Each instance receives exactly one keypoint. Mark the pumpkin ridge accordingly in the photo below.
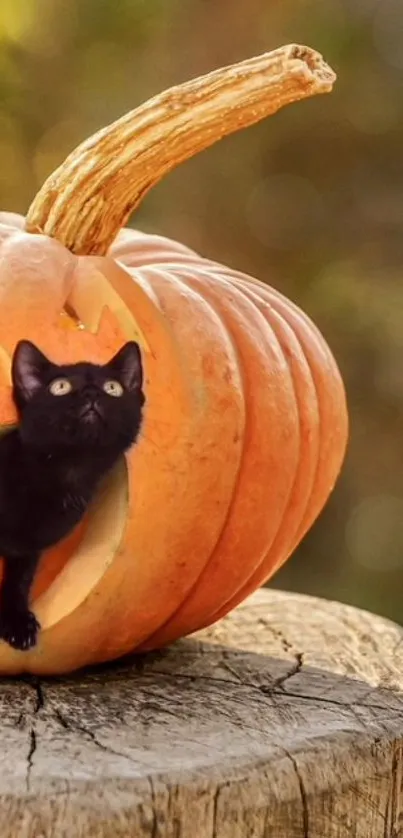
(256, 580)
(334, 389)
(189, 276)
(276, 547)
(164, 271)
(259, 575)
(261, 303)
(280, 304)
(268, 298)
(328, 394)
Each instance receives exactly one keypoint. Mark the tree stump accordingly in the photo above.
(285, 720)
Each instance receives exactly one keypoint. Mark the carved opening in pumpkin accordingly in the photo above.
(96, 544)
(70, 570)
(92, 296)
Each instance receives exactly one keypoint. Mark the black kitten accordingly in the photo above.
(75, 422)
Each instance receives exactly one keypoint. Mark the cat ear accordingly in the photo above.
(27, 369)
(128, 367)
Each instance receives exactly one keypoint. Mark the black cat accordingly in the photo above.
(75, 421)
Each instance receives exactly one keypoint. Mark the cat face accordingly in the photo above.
(78, 405)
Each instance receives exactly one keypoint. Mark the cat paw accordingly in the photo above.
(19, 629)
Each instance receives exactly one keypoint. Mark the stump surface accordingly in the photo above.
(285, 720)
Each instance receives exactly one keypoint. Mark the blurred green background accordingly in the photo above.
(311, 201)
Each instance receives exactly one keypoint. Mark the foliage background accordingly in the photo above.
(311, 200)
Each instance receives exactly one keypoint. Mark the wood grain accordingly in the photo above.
(285, 720)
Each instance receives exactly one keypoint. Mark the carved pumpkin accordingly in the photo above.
(245, 424)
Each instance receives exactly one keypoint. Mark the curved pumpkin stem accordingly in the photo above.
(86, 201)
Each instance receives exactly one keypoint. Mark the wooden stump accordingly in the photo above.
(285, 720)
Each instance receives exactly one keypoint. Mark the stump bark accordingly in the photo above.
(285, 720)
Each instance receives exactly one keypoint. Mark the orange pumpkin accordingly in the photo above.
(245, 427)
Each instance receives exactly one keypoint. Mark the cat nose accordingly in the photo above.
(91, 395)
(92, 403)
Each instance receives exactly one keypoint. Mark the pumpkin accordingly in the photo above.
(245, 424)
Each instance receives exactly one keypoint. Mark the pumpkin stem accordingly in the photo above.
(86, 201)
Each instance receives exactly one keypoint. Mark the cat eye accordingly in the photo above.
(60, 387)
(113, 388)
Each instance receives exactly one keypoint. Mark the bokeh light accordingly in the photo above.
(284, 210)
(388, 32)
(374, 533)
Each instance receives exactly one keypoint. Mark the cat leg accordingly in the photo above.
(18, 625)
